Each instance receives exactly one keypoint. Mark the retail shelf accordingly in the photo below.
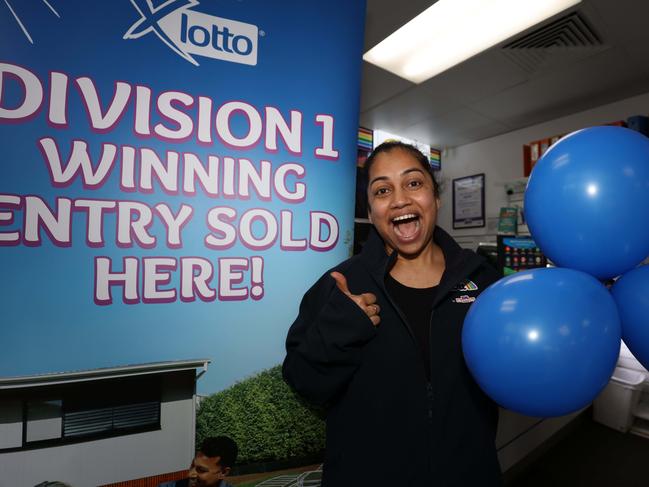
(642, 411)
(640, 427)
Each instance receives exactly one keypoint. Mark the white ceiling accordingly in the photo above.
(492, 93)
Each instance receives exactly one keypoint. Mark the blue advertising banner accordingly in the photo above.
(174, 176)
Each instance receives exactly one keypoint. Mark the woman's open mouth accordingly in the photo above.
(406, 226)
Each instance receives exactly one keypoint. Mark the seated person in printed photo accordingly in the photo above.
(211, 464)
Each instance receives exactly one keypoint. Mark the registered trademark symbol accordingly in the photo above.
(262, 33)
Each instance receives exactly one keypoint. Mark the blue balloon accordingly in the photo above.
(587, 201)
(542, 342)
(631, 294)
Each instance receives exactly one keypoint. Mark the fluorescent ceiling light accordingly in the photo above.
(451, 31)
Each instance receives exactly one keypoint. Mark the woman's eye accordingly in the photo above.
(415, 183)
(381, 191)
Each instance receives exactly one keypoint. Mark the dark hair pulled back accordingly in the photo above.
(391, 145)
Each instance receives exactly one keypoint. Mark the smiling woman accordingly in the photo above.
(377, 342)
(403, 201)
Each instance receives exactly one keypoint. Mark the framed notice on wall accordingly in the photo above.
(468, 202)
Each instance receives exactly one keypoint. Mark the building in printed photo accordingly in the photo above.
(101, 426)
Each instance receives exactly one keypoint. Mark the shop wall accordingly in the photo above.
(501, 159)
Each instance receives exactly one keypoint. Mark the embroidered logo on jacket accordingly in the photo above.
(466, 285)
(464, 299)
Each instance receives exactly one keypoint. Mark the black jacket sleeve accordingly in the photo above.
(324, 344)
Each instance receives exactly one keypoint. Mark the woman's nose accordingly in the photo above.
(399, 198)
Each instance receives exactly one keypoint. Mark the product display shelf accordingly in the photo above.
(640, 425)
(640, 428)
(642, 410)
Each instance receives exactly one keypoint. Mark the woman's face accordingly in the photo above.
(402, 203)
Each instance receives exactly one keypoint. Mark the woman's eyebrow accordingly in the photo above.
(403, 173)
(378, 178)
(412, 169)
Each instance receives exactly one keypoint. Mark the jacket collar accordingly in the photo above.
(459, 262)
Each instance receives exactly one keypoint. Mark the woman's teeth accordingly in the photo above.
(402, 218)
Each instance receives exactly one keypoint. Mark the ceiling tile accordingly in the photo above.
(379, 86)
(480, 77)
(450, 128)
(408, 108)
(621, 20)
(383, 17)
(560, 92)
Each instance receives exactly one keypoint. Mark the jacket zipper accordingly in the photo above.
(429, 392)
(412, 335)
(429, 385)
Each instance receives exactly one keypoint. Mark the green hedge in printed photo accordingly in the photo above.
(266, 419)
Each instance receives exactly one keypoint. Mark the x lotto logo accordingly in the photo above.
(188, 33)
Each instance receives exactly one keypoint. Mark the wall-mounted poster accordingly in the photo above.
(469, 201)
(164, 163)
